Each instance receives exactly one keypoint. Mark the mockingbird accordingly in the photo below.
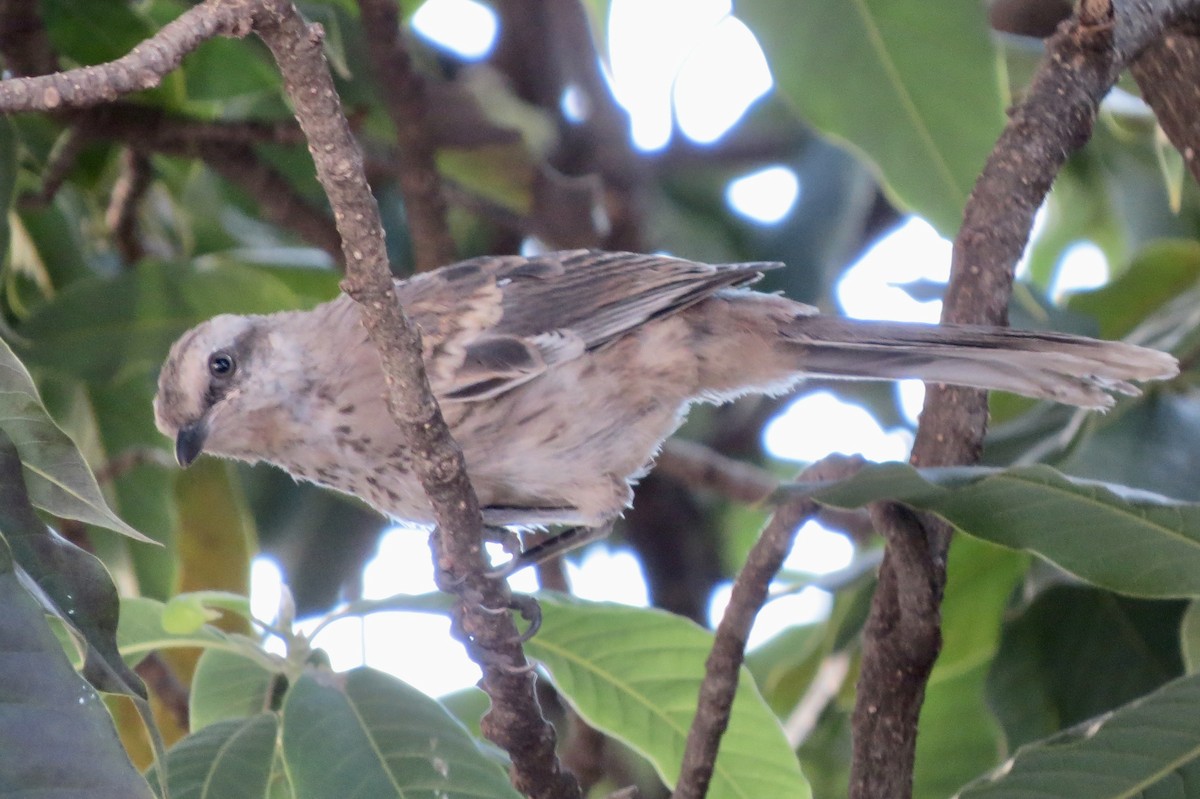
(561, 374)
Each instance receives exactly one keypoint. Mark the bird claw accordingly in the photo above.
(509, 540)
(529, 609)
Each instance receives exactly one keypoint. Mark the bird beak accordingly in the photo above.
(189, 443)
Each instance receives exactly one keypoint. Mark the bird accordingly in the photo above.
(561, 374)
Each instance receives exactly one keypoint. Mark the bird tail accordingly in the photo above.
(1044, 365)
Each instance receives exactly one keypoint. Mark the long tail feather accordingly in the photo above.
(1054, 366)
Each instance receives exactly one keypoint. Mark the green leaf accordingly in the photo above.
(911, 84)
(1158, 274)
(73, 582)
(1132, 542)
(186, 613)
(367, 734)
(227, 685)
(958, 737)
(1189, 637)
(232, 759)
(141, 631)
(103, 328)
(56, 736)
(1130, 447)
(1150, 744)
(58, 479)
(1076, 652)
(635, 674)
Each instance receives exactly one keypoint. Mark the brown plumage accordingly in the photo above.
(560, 375)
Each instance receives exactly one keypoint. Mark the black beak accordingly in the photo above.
(189, 443)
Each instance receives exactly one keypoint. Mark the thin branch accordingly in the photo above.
(1082, 63)
(162, 681)
(824, 687)
(121, 215)
(276, 197)
(156, 128)
(142, 68)
(58, 167)
(724, 662)
(227, 148)
(129, 459)
(699, 466)
(404, 97)
(514, 720)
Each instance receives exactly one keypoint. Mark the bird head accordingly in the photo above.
(210, 387)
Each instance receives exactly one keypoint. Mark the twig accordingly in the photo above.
(141, 69)
(276, 198)
(121, 215)
(514, 720)
(165, 684)
(58, 168)
(129, 459)
(702, 467)
(1082, 62)
(699, 466)
(403, 92)
(729, 646)
(822, 689)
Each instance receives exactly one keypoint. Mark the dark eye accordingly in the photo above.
(221, 364)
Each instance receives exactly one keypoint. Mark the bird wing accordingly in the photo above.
(495, 322)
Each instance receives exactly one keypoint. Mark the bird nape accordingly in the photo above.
(560, 376)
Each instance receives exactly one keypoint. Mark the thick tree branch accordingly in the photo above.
(1168, 73)
(514, 720)
(1082, 63)
(403, 93)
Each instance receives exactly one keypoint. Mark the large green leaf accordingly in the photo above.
(1132, 542)
(635, 674)
(232, 759)
(73, 582)
(1158, 273)
(1149, 748)
(367, 734)
(56, 737)
(228, 685)
(912, 84)
(58, 479)
(1076, 652)
(142, 631)
(958, 738)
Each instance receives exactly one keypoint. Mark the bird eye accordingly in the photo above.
(221, 364)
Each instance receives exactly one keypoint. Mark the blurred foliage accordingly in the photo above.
(1070, 602)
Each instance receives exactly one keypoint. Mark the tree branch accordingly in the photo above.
(1082, 63)
(514, 721)
(1168, 73)
(121, 216)
(403, 93)
(141, 69)
(729, 646)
